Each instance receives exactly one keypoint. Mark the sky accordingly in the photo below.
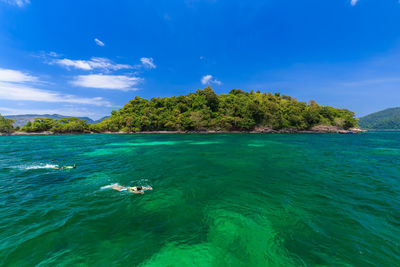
(87, 58)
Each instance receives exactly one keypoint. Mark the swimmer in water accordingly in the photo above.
(133, 189)
(63, 167)
(68, 167)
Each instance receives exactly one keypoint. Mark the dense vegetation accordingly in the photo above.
(238, 110)
(385, 119)
(21, 120)
(6, 125)
(200, 111)
(64, 125)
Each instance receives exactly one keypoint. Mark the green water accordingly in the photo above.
(218, 200)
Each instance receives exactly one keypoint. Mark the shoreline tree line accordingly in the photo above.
(200, 111)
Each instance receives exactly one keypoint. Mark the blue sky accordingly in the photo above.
(86, 58)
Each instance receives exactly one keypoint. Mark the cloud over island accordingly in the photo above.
(19, 86)
(112, 82)
(92, 64)
(208, 79)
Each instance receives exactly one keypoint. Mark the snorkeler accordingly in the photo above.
(68, 167)
(133, 189)
(63, 167)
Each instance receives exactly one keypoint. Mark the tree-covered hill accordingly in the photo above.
(382, 120)
(6, 125)
(202, 111)
(238, 110)
(59, 126)
(21, 120)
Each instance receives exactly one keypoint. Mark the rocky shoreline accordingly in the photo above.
(315, 129)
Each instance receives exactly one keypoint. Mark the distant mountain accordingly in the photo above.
(21, 120)
(100, 120)
(388, 119)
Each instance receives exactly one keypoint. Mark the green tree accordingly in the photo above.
(238, 110)
(6, 125)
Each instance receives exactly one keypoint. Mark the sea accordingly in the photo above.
(217, 200)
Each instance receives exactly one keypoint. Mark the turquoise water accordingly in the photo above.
(218, 200)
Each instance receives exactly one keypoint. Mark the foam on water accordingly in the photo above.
(40, 166)
(108, 186)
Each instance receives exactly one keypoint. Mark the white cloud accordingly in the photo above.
(148, 62)
(112, 82)
(217, 82)
(22, 92)
(208, 79)
(78, 64)
(19, 3)
(98, 42)
(7, 75)
(100, 63)
(93, 63)
(353, 2)
(19, 86)
(54, 54)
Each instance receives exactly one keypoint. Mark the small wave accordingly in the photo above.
(256, 145)
(204, 143)
(107, 186)
(46, 166)
(141, 182)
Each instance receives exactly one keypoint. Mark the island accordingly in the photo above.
(384, 120)
(204, 112)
